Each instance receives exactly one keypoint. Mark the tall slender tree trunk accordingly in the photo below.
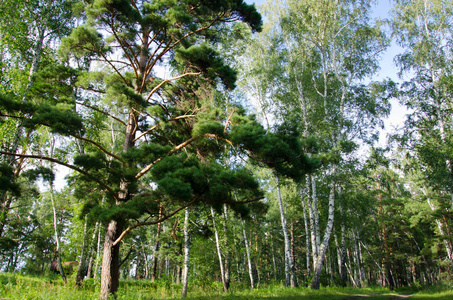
(98, 249)
(249, 260)
(322, 251)
(312, 207)
(185, 272)
(57, 237)
(156, 249)
(341, 249)
(307, 233)
(227, 249)
(289, 262)
(81, 271)
(219, 252)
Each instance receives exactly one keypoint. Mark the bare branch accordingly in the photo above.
(161, 219)
(231, 201)
(98, 146)
(102, 112)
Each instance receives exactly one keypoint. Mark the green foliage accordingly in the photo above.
(7, 182)
(46, 174)
(60, 119)
(209, 62)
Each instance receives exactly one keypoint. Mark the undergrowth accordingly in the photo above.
(16, 286)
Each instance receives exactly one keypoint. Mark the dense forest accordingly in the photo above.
(199, 141)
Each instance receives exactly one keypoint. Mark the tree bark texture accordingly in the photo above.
(81, 270)
(249, 260)
(110, 261)
(185, 272)
(325, 243)
(289, 262)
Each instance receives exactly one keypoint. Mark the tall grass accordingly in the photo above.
(16, 286)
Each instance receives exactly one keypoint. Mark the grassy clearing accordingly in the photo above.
(15, 286)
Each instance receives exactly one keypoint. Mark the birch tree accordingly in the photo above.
(424, 29)
(328, 49)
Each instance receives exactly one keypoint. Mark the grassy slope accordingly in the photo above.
(14, 286)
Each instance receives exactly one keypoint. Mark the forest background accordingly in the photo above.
(206, 144)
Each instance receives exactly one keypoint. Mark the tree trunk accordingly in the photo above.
(289, 262)
(57, 238)
(341, 250)
(227, 250)
(307, 234)
(98, 249)
(81, 271)
(311, 208)
(110, 262)
(322, 251)
(156, 249)
(249, 261)
(219, 252)
(185, 272)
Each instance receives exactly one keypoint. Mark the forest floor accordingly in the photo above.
(16, 286)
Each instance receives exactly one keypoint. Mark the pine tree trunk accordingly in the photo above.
(185, 272)
(110, 261)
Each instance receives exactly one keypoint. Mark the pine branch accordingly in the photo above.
(168, 80)
(62, 163)
(157, 125)
(148, 167)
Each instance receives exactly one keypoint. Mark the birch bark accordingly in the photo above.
(249, 260)
(185, 271)
(290, 273)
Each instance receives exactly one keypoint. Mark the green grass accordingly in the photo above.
(16, 286)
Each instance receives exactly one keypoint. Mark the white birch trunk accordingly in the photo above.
(289, 262)
(57, 238)
(322, 251)
(219, 253)
(98, 250)
(307, 234)
(82, 260)
(249, 261)
(227, 261)
(185, 271)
